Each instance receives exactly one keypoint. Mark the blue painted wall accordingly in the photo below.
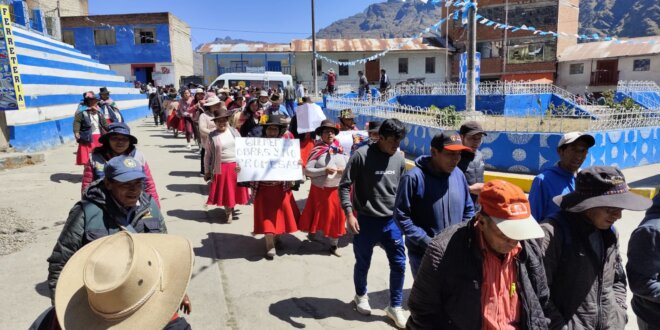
(530, 153)
(125, 50)
(511, 105)
(51, 134)
(644, 99)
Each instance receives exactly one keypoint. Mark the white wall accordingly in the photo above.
(390, 62)
(181, 49)
(123, 70)
(575, 83)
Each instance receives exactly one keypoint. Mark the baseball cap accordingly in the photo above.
(471, 128)
(448, 141)
(509, 208)
(571, 137)
(124, 169)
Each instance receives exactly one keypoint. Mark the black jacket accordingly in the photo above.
(447, 291)
(473, 166)
(643, 266)
(586, 278)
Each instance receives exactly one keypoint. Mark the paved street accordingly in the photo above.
(233, 286)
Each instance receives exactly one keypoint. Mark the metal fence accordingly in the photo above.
(600, 117)
(626, 86)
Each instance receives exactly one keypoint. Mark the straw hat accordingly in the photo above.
(124, 281)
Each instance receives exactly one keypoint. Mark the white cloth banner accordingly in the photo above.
(310, 116)
(345, 138)
(264, 159)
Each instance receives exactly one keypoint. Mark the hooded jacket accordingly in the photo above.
(98, 215)
(447, 290)
(428, 202)
(584, 273)
(473, 166)
(552, 182)
(644, 266)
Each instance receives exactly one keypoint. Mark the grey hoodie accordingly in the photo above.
(375, 177)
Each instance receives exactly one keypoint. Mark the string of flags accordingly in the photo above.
(461, 14)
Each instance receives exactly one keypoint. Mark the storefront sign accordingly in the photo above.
(11, 88)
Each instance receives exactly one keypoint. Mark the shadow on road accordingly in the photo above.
(173, 146)
(192, 156)
(231, 246)
(323, 308)
(181, 151)
(167, 135)
(187, 174)
(68, 177)
(196, 188)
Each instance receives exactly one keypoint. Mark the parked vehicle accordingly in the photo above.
(268, 79)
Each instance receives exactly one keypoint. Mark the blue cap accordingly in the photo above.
(124, 169)
(118, 129)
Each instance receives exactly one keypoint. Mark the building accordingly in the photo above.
(151, 47)
(520, 55)
(600, 65)
(420, 59)
(43, 16)
(219, 58)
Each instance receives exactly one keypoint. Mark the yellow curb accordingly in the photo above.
(524, 181)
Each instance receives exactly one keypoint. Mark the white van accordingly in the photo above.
(268, 79)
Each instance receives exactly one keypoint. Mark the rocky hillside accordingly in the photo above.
(394, 18)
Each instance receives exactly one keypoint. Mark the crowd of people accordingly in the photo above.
(483, 255)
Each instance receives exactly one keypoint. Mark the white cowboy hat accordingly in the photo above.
(124, 281)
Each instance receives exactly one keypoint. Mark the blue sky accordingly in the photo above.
(269, 20)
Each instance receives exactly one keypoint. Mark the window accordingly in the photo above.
(105, 37)
(343, 69)
(489, 49)
(430, 65)
(577, 68)
(68, 37)
(403, 65)
(145, 36)
(642, 65)
(529, 51)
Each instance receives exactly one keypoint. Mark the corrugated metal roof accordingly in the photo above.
(608, 49)
(244, 48)
(359, 45)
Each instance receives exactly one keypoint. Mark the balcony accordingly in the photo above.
(285, 69)
(604, 78)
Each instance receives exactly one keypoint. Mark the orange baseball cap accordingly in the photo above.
(448, 141)
(508, 206)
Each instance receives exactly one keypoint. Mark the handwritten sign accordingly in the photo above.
(263, 159)
(310, 116)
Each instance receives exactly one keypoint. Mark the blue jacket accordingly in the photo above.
(427, 203)
(552, 182)
(644, 266)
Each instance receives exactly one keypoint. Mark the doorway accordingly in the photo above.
(372, 71)
(143, 72)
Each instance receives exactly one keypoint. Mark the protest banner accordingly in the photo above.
(346, 139)
(310, 116)
(262, 159)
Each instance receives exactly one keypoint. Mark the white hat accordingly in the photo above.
(127, 281)
(571, 137)
(211, 100)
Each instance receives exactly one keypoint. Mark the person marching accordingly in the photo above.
(220, 166)
(170, 104)
(205, 122)
(275, 209)
(346, 121)
(196, 109)
(325, 167)
(249, 119)
(88, 125)
(109, 107)
(116, 142)
(185, 117)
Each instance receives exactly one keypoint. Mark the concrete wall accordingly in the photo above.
(181, 48)
(67, 7)
(530, 153)
(575, 83)
(54, 76)
(389, 62)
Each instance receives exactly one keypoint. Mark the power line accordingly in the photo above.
(247, 31)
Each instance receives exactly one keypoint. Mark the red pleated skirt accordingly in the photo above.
(224, 191)
(85, 150)
(323, 212)
(176, 123)
(275, 211)
(306, 146)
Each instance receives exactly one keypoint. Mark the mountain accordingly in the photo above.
(394, 18)
(621, 18)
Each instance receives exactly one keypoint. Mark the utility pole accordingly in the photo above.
(314, 73)
(470, 95)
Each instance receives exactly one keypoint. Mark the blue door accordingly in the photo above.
(274, 66)
(141, 74)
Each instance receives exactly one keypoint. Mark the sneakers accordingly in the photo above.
(188, 146)
(396, 314)
(362, 304)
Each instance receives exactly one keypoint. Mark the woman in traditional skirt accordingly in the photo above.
(185, 117)
(275, 209)
(325, 166)
(88, 125)
(196, 109)
(170, 104)
(220, 164)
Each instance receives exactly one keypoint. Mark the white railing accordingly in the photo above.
(625, 86)
(528, 120)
